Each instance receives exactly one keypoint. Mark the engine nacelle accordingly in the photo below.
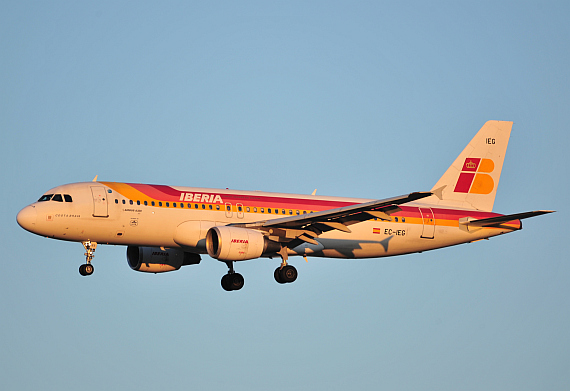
(235, 244)
(156, 260)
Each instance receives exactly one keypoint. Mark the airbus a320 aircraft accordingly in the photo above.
(167, 227)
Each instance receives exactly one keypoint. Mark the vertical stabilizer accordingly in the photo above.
(471, 181)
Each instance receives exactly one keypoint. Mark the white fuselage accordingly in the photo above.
(115, 213)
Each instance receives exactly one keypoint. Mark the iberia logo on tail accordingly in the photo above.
(475, 178)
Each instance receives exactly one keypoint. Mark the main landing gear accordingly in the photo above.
(285, 273)
(232, 281)
(87, 268)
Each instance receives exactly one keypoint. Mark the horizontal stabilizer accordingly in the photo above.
(494, 221)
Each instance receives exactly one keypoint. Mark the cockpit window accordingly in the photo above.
(57, 198)
(45, 197)
(67, 198)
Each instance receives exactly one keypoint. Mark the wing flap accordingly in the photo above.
(301, 227)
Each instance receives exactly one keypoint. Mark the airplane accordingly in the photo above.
(166, 227)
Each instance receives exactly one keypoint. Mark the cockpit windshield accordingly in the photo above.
(55, 197)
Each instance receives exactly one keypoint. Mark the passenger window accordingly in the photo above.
(268, 210)
(167, 204)
(217, 207)
(396, 219)
(210, 206)
(304, 212)
(181, 205)
(247, 208)
(138, 202)
(174, 204)
(116, 201)
(146, 203)
(254, 210)
(297, 212)
(228, 208)
(196, 206)
(123, 202)
(403, 219)
(131, 202)
(283, 211)
(239, 208)
(189, 206)
(262, 211)
(159, 203)
(67, 198)
(152, 203)
(290, 212)
(57, 198)
(45, 197)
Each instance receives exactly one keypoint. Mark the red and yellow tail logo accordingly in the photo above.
(472, 180)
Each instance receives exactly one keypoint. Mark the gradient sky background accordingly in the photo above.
(364, 99)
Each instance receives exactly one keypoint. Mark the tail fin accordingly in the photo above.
(471, 181)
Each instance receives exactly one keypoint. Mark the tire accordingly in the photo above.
(288, 274)
(89, 269)
(226, 283)
(277, 275)
(82, 270)
(236, 281)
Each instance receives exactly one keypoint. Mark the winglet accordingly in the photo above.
(95, 179)
(314, 192)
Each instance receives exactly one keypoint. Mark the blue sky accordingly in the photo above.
(367, 100)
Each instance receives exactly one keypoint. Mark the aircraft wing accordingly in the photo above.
(495, 221)
(308, 226)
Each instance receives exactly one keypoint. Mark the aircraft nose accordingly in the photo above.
(27, 218)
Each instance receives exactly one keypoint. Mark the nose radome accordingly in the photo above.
(27, 218)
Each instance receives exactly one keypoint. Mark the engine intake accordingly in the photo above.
(156, 260)
(237, 244)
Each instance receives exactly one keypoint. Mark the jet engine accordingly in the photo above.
(237, 244)
(156, 260)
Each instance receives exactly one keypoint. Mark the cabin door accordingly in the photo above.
(99, 201)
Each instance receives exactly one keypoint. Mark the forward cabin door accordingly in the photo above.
(429, 223)
(99, 201)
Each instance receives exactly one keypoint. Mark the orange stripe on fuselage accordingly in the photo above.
(411, 214)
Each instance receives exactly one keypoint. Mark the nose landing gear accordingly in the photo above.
(87, 268)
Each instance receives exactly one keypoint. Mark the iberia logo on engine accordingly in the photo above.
(240, 241)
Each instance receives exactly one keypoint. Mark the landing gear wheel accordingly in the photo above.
(86, 269)
(225, 283)
(285, 275)
(277, 275)
(232, 282)
(288, 274)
